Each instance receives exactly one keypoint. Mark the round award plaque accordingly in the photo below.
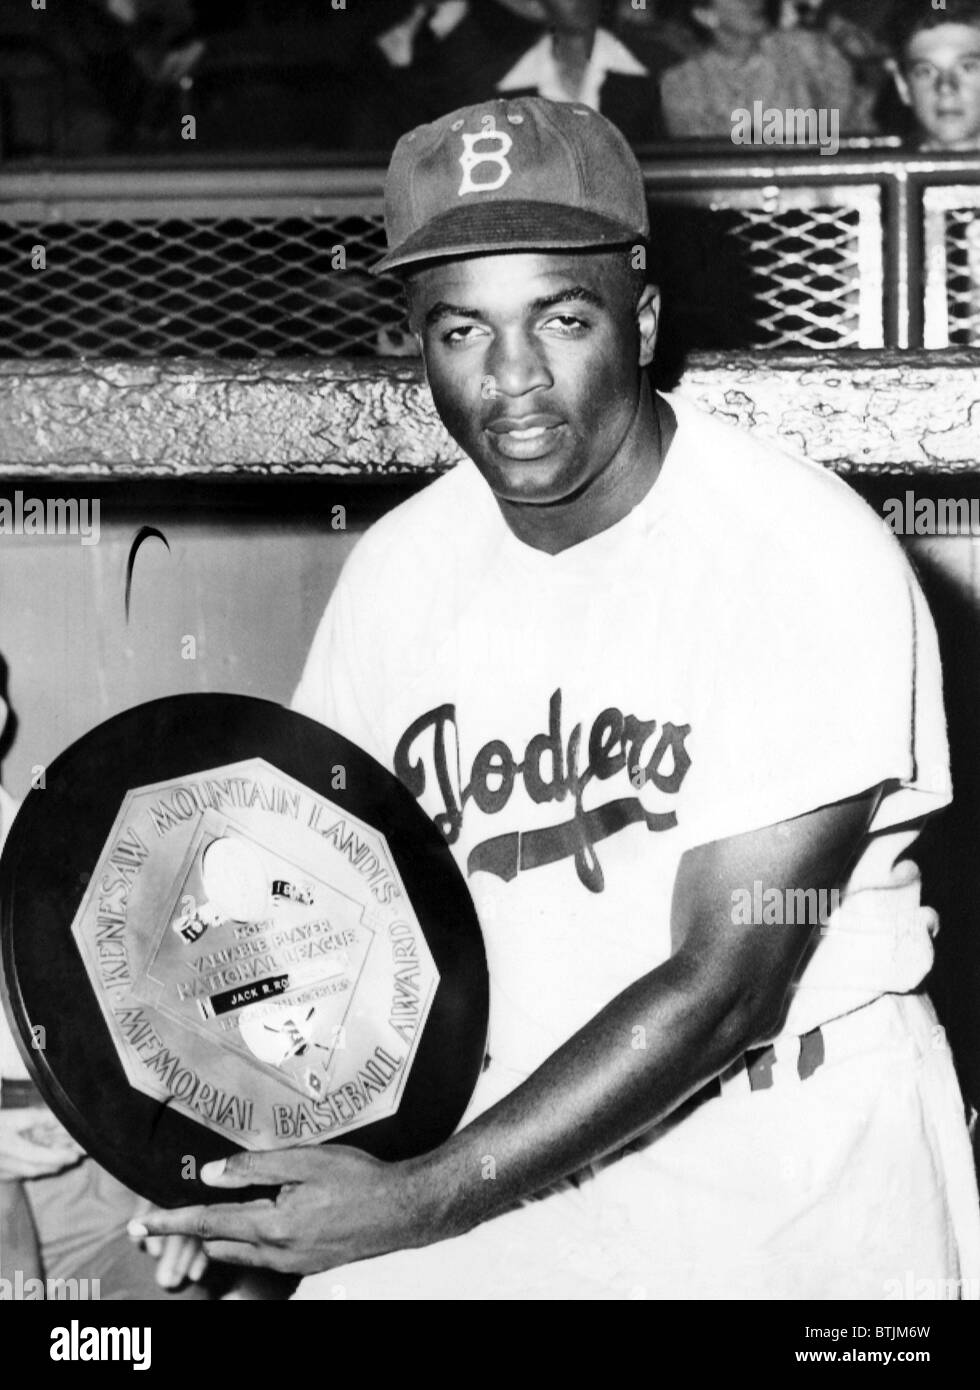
(226, 927)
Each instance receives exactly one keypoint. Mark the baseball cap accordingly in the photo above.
(512, 174)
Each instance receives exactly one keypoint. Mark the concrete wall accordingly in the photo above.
(245, 576)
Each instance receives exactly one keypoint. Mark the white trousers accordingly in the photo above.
(855, 1183)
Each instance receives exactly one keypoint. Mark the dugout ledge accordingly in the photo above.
(859, 412)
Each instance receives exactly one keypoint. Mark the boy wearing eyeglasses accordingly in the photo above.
(938, 74)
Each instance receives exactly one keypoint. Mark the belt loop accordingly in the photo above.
(759, 1062)
(813, 1053)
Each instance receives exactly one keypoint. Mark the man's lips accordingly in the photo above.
(524, 436)
(520, 424)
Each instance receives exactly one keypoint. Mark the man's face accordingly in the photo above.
(534, 363)
(746, 18)
(941, 83)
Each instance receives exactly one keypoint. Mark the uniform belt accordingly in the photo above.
(906, 1022)
(760, 1066)
(759, 1061)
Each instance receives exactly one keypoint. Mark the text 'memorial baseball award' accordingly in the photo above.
(245, 952)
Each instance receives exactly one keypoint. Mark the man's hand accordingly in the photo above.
(336, 1205)
(34, 1145)
(178, 1258)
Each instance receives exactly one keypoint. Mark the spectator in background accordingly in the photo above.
(861, 29)
(125, 60)
(577, 59)
(747, 59)
(162, 36)
(440, 57)
(428, 58)
(660, 33)
(164, 49)
(937, 73)
(297, 76)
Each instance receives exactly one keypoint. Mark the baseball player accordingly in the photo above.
(673, 697)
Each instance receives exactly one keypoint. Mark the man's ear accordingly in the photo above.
(411, 322)
(648, 322)
(898, 77)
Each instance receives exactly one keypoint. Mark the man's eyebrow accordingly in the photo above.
(581, 293)
(573, 292)
(971, 53)
(442, 310)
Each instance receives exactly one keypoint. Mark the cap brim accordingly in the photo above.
(507, 226)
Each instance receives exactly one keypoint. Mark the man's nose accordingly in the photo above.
(517, 365)
(947, 81)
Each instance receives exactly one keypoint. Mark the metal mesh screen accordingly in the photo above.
(804, 269)
(962, 240)
(230, 287)
(751, 275)
(951, 253)
(801, 270)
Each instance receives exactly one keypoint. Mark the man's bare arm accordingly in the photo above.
(722, 991)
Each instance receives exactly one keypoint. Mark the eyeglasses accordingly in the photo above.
(962, 70)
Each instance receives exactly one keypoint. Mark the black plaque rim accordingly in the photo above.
(52, 848)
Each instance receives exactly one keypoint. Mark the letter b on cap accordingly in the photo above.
(470, 160)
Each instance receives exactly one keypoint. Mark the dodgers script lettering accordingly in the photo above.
(553, 768)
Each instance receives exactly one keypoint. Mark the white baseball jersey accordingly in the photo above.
(748, 644)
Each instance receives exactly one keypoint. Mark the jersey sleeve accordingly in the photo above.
(338, 686)
(827, 683)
